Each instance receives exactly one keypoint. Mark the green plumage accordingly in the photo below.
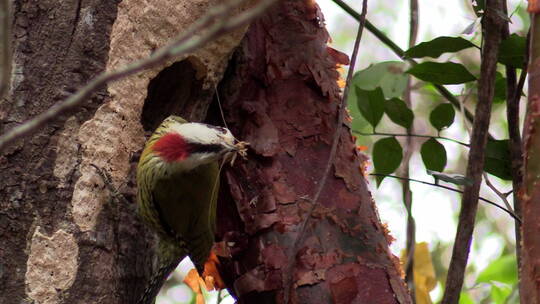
(179, 205)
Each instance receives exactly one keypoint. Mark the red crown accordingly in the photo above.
(172, 147)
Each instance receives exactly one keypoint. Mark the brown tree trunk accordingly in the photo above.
(530, 193)
(281, 96)
(62, 239)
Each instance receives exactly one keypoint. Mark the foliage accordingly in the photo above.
(433, 155)
(387, 155)
(438, 46)
(443, 61)
(442, 116)
(441, 73)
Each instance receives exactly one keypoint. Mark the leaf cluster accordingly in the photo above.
(379, 87)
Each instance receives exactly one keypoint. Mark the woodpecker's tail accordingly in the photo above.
(157, 280)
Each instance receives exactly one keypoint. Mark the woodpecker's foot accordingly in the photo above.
(210, 280)
(211, 275)
(196, 283)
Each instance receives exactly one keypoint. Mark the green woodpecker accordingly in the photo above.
(178, 181)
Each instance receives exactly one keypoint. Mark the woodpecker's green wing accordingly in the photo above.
(186, 205)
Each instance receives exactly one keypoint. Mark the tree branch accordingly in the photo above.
(501, 195)
(492, 25)
(453, 190)
(513, 97)
(411, 135)
(410, 244)
(213, 24)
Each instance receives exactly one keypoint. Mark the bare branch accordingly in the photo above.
(501, 195)
(411, 135)
(217, 22)
(410, 243)
(513, 97)
(453, 190)
(492, 27)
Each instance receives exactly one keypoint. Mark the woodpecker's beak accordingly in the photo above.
(229, 147)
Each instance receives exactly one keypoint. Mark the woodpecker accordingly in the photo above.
(178, 182)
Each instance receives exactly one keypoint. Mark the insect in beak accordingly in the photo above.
(239, 148)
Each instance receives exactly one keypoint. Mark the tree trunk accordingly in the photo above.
(530, 192)
(63, 240)
(281, 96)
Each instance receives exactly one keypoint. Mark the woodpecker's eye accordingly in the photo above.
(218, 128)
(221, 129)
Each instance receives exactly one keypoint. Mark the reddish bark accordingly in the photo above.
(284, 100)
(530, 194)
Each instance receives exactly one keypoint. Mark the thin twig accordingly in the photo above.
(410, 135)
(516, 149)
(492, 27)
(213, 24)
(514, 216)
(331, 157)
(501, 195)
(5, 65)
(410, 244)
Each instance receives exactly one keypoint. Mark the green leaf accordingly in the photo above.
(387, 155)
(438, 46)
(464, 298)
(398, 112)
(358, 121)
(455, 179)
(500, 293)
(388, 75)
(512, 51)
(433, 155)
(371, 105)
(497, 160)
(500, 88)
(503, 269)
(442, 116)
(441, 73)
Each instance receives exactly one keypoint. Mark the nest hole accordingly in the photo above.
(171, 92)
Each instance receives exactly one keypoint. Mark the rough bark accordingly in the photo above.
(63, 241)
(281, 96)
(530, 192)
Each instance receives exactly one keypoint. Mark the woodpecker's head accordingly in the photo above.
(186, 145)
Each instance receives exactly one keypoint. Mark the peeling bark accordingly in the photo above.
(281, 96)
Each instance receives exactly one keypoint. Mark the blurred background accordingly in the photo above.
(492, 275)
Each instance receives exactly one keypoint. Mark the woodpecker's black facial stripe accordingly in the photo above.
(202, 148)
